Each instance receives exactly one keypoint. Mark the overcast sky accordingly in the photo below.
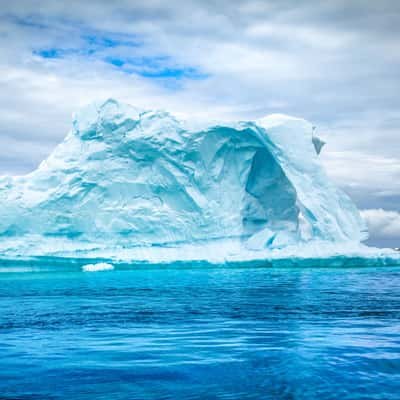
(335, 63)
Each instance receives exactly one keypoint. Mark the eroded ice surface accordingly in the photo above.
(130, 184)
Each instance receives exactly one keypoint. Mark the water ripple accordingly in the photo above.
(201, 334)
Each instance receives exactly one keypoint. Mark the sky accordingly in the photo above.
(335, 63)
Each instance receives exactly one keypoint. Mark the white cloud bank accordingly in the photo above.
(383, 224)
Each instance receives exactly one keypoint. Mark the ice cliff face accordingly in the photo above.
(127, 178)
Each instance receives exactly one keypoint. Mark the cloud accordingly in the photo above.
(383, 225)
(359, 171)
(335, 63)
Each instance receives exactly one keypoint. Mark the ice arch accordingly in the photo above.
(270, 198)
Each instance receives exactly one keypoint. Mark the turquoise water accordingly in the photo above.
(201, 334)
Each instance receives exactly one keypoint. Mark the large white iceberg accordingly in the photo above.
(132, 185)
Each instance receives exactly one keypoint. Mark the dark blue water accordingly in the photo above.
(201, 334)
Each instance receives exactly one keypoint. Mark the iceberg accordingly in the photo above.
(141, 186)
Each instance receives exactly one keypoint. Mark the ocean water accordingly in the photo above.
(211, 333)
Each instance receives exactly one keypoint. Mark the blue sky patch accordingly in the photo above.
(160, 67)
(50, 53)
(155, 67)
(176, 73)
(114, 41)
(119, 50)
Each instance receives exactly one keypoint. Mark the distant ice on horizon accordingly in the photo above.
(97, 267)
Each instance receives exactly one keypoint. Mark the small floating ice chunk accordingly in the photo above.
(97, 267)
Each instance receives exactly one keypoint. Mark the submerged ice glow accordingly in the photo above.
(143, 185)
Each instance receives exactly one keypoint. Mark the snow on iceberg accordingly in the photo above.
(131, 184)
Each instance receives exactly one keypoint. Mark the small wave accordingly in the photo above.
(97, 267)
